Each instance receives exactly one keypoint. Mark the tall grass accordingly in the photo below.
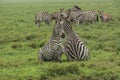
(20, 41)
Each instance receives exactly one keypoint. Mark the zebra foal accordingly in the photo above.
(75, 49)
(53, 49)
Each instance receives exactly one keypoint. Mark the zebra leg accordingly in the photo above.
(77, 22)
(87, 55)
(40, 56)
(68, 56)
(59, 57)
(40, 23)
(55, 57)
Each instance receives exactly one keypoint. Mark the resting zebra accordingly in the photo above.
(42, 17)
(75, 49)
(53, 49)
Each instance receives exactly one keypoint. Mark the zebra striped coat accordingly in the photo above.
(73, 15)
(53, 49)
(75, 49)
(87, 17)
(42, 17)
(55, 15)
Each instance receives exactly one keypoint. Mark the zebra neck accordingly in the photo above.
(69, 32)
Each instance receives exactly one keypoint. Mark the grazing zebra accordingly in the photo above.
(87, 17)
(105, 17)
(54, 48)
(42, 17)
(75, 49)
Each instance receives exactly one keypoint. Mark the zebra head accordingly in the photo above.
(64, 13)
(58, 30)
(65, 24)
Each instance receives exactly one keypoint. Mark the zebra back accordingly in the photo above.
(87, 16)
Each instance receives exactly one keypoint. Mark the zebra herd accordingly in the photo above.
(64, 39)
(73, 15)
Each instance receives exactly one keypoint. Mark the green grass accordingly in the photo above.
(20, 41)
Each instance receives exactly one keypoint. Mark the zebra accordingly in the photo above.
(42, 17)
(54, 48)
(73, 14)
(88, 17)
(55, 15)
(74, 47)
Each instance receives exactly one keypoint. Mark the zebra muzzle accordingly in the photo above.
(63, 35)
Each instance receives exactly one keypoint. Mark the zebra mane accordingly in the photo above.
(68, 22)
(77, 7)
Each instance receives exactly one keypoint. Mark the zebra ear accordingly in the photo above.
(61, 9)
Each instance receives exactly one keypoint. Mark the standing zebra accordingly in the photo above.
(53, 49)
(75, 49)
(87, 16)
(42, 17)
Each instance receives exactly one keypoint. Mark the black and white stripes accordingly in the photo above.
(53, 49)
(75, 49)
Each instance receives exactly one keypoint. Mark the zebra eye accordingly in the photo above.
(60, 19)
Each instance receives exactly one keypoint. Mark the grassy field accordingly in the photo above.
(20, 41)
